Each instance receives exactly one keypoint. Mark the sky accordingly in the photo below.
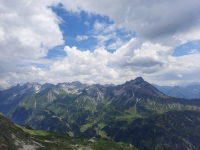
(107, 41)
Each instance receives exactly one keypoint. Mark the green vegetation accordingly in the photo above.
(134, 112)
(171, 130)
(82, 116)
(16, 137)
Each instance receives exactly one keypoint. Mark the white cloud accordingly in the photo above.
(29, 29)
(152, 61)
(81, 37)
(160, 27)
(98, 27)
(152, 20)
(115, 45)
(190, 35)
(103, 38)
(84, 65)
(104, 32)
(138, 54)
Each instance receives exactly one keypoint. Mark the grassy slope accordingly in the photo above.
(52, 140)
(14, 137)
(84, 111)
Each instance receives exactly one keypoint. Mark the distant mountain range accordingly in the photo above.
(190, 91)
(135, 112)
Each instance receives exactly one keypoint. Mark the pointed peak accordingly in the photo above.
(139, 79)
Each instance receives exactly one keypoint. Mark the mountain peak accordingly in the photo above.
(139, 79)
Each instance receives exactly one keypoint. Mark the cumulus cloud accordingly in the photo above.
(160, 27)
(85, 65)
(152, 61)
(137, 54)
(28, 29)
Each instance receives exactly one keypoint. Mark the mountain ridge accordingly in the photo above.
(92, 110)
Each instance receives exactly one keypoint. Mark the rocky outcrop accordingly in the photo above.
(11, 136)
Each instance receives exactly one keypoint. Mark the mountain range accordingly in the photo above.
(189, 91)
(135, 112)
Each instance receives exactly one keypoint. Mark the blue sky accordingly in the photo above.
(74, 24)
(82, 24)
(187, 48)
(99, 42)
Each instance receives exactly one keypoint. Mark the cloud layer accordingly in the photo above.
(30, 29)
(152, 61)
